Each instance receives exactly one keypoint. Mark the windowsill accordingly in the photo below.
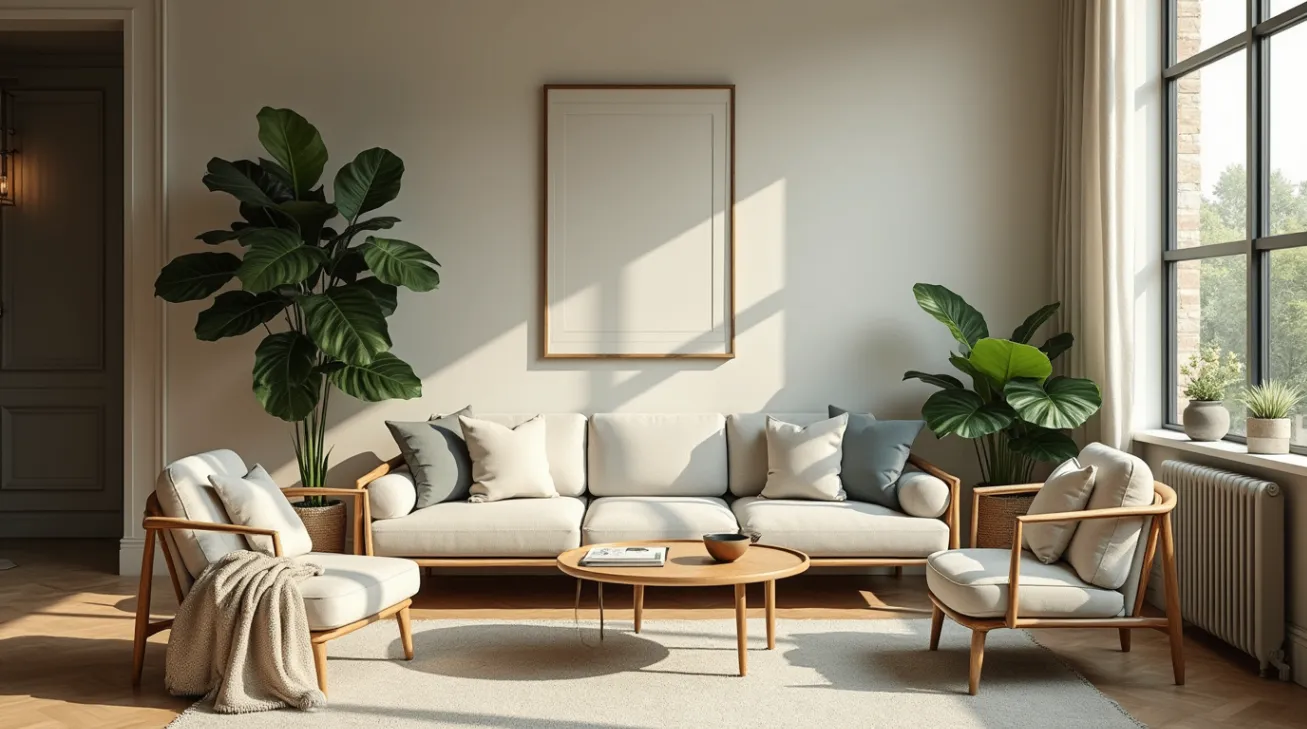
(1225, 450)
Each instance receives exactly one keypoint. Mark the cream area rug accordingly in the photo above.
(826, 674)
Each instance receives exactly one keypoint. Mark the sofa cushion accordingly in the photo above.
(354, 587)
(437, 456)
(921, 494)
(184, 492)
(508, 463)
(874, 454)
(393, 495)
(565, 435)
(803, 461)
(256, 501)
(636, 454)
(841, 528)
(636, 518)
(512, 528)
(746, 445)
(974, 582)
(1101, 551)
(1067, 488)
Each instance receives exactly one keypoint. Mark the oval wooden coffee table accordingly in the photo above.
(688, 565)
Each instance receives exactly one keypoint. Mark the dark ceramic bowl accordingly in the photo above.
(726, 547)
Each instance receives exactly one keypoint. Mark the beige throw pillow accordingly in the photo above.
(803, 462)
(1102, 551)
(255, 501)
(507, 463)
(1067, 489)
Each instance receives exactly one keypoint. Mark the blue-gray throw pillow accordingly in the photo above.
(875, 452)
(437, 457)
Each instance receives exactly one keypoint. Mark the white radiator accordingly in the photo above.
(1229, 535)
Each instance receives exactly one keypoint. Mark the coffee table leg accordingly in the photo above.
(601, 610)
(771, 615)
(639, 607)
(742, 629)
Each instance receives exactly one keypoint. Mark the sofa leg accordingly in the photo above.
(1125, 639)
(320, 665)
(936, 626)
(405, 632)
(143, 608)
(1174, 619)
(977, 660)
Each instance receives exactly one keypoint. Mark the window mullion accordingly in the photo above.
(1258, 182)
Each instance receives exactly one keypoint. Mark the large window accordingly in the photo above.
(1236, 182)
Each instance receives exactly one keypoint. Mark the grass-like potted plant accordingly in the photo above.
(1207, 377)
(326, 295)
(1269, 406)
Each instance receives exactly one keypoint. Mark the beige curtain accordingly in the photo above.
(1093, 207)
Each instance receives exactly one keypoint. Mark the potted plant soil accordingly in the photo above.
(1269, 406)
(1206, 418)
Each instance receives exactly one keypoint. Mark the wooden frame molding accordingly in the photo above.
(155, 522)
(1159, 528)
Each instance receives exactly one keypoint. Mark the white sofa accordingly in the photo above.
(630, 476)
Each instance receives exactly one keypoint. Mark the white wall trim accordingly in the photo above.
(144, 223)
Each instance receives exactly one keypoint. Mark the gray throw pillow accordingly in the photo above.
(875, 452)
(437, 456)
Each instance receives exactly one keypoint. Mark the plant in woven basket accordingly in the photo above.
(1207, 375)
(1271, 400)
(1015, 413)
(326, 294)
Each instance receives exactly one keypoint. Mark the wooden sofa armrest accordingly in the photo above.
(379, 471)
(982, 491)
(169, 522)
(952, 515)
(362, 520)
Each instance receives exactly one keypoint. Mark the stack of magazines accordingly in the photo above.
(625, 557)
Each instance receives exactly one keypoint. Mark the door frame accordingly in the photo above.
(144, 223)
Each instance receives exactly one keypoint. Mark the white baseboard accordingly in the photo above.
(129, 557)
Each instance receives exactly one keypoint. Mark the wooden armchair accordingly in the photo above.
(984, 568)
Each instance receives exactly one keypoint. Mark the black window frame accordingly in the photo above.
(1253, 40)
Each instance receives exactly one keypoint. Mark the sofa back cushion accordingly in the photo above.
(746, 441)
(184, 492)
(564, 446)
(636, 454)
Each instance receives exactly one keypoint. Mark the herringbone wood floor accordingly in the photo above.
(66, 626)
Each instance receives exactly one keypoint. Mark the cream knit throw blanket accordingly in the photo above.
(241, 637)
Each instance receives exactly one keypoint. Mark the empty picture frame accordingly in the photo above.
(639, 229)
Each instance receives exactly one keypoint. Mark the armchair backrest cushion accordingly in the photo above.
(746, 442)
(184, 492)
(646, 454)
(1102, 552)
(564, 446)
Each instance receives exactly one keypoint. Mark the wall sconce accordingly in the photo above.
(8, 154)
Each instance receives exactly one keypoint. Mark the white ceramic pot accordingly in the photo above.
(1270, 437)
(1206, 420)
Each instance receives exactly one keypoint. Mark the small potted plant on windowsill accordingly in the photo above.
(1206, 418)
(1269, 406)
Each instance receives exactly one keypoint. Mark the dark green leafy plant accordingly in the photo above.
(1015, 412)
(333, 295)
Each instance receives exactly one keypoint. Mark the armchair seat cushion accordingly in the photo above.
(635, 518)
(841, 528)
(353, 587)
(509, 528)
(974, 582)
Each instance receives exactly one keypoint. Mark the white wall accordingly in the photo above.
(880, 143)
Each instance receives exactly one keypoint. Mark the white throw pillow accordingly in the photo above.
(1067, 489)
(803, 462)
(508, 463)
(392, 496)
(1102, 550)
(255, 501)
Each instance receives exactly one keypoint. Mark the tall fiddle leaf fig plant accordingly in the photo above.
(1015, 412)
(320, 296)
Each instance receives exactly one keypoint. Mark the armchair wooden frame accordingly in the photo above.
(1160, 528)
(951, 517)
(156, 522)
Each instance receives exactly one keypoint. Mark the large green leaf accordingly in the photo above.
(309, 216)
(347, 323)
(936, 380)
(1059, 402)
(295, 144)
(381, 222)
(367, 183)
(1058, 344)
(227, 177)
(387, 377)
(214, 237)
(1003, 360)
(980, 382)
(387, 296)
(284, 380)
(194, 276)
(400, 263)
(268, 217)
(349, 265)
(1043, 444)
(1023, 333)
(964, 413)
(964, 322)
(277, 258)
(235, 313)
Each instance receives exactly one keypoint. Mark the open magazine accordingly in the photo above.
(625, 557)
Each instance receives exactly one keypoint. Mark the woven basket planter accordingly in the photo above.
(996, 521)
(326, 525)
